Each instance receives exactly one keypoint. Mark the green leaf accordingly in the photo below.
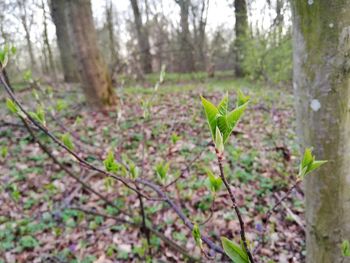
(197, 235)
(4, 56)
(175, 137)
(41, 115)
(219, 143)
(241, 98)
(234, 251)
(223, 105)
(308, 158)
(27, 75)
(215, 183)
(4, 152)
(227, 123)
(345, 248)
(315, 165)
(60, 105)
(134, 170)
(67, 141)
(28, 242)
(162, 170)
(309, 164)
(211, 113)
(12, 107)
(110, 164)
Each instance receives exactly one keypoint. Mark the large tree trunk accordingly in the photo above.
(60, 19)
(93, 70)
(322, 89)
(142, 39)
(187, 59)
(241, 34)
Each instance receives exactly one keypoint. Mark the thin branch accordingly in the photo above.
(166, 240)
(235, 207)
(178, 211)
(125, 181)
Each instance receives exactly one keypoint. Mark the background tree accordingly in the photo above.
(241, 34)
(59, 13)
(187, 63)
(113, 45)
(200, 15)
(47, 45)
(142, 38)
(93, 70)
(27, 22)
(322, 88)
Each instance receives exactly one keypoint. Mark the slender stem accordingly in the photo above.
(268, 214)
(143, 227)
(279, 202)
(235, 207)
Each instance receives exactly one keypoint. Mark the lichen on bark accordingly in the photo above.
(321, 72)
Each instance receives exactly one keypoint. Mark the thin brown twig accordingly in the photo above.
(235, 207)
(125, 181)
(266, 217)
(166, 240)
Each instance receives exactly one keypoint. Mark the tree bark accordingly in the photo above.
(24, 16)
(241, 33)
(111, 34)
(142, 39)
(200, 14)
(187, 59)
(59, 15)
(47, 42)
(321, 41)
(93, 70)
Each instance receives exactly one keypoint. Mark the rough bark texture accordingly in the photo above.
(92, 69)
(60, 19)
(187, 58)
(322, 88)
(241, 33)
(142, 39)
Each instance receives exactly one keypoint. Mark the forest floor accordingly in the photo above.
(46, 216)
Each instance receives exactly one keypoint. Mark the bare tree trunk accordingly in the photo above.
(322, 88)
(47, 42)
(92, 69)
(187, 59)
(142, 38)
(200, 18)
(241, 32)
(59, 15)
(24, 16)
(111, 34)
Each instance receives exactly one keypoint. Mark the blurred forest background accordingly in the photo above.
(111, 160)
(137, 38)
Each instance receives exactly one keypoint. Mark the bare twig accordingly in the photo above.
(126, 182)
(178, 211)
(166, 240)
(235, 207)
